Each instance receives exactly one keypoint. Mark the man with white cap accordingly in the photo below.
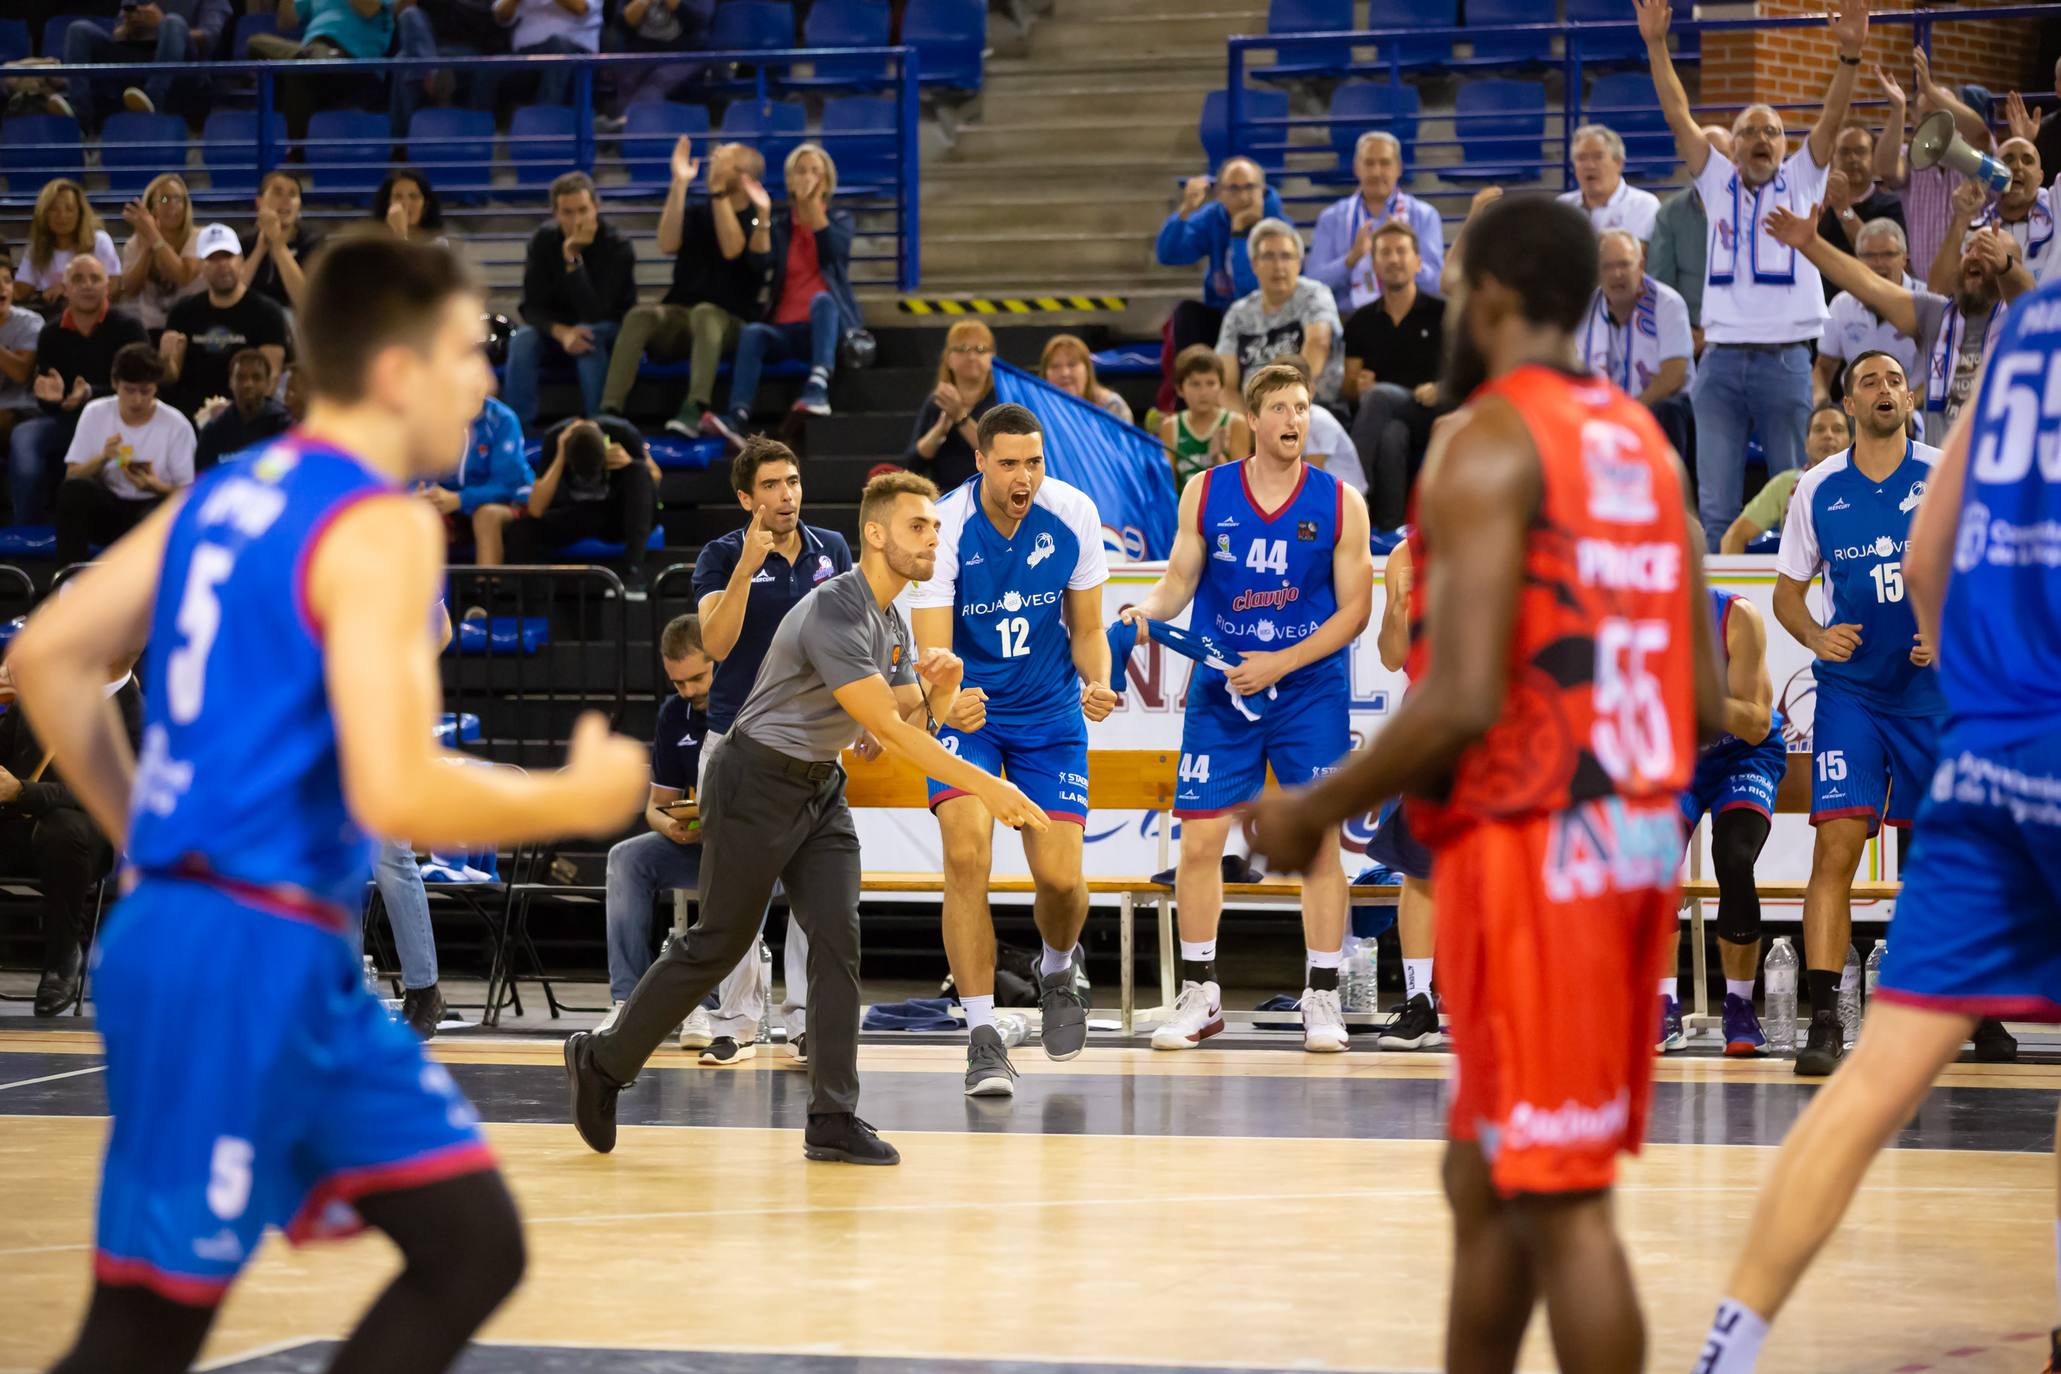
(207, 329)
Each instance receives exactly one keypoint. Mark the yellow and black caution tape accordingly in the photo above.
(1007, 305)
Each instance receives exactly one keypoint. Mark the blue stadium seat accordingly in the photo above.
(865, 152)
(27, 168)
(55, 26)
(540, 143)
(752, 26)
(1356, 107)
(949, 37)
(773, 127)
(229, 149)
(1511, 49)
(650, 129)
(455, 148)
(847, 24)
(14, 39)
(1492, 119)
(127, 154)
(249, 26)
(1415, 14)
(1627, 102)
(1266, 146)
(1620, 44)
(1308, 16)
(347, 153)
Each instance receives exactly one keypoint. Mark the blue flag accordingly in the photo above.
(1123, 469)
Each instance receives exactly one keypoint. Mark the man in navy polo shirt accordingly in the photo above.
(745, 583)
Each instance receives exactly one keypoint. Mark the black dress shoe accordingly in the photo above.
(56, 992)
(423, 1010)
(593, 1093)
(844, 1139)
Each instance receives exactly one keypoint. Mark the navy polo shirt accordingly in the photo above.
(676, 744)
(775, 590)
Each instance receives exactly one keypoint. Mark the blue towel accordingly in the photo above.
(1189, 644)
(918, 1014)
(1371, 918)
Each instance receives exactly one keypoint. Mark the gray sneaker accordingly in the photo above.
(1064, 1013)
(988, 1070)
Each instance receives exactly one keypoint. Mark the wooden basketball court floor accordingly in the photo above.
(1250, 1208)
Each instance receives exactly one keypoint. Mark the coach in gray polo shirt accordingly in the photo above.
(841, 667)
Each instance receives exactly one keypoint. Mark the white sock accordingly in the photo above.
(1739, 987)
(1733, 1345)
(1416, 977)
(1055, 961)
(1668, 987)
(980, 1011)
(1325, 959)
(1199, 951)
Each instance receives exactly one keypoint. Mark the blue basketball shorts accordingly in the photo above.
(1978, 927)
(254, 1082)
(1047, 760)
(1865, 763)
(1395, 847)
(1225, 756)
(1735, 775)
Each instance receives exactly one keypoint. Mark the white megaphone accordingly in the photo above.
(1936, 144)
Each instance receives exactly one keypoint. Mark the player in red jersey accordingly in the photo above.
(1564, 667)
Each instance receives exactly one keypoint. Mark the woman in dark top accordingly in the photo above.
(408, 206)
(942, 445)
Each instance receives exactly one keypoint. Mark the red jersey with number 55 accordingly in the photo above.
(1601, 698)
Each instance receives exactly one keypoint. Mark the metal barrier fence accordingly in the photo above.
(879, 162)
(1536, 153)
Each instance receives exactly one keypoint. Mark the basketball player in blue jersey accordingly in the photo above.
(1978, 929)
(1736, 778)
(289, 701)
(1017, 594)
(1273, 553)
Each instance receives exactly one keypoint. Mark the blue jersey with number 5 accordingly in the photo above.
(1854, 531)
(2000, 643)
(1266, 576)
(238, 773)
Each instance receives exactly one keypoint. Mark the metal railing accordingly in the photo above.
(897, 194)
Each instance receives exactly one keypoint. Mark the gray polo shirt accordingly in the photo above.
(834, 637)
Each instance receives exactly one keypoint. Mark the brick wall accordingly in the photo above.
(1783, 66)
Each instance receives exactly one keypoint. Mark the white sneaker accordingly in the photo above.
(699, 1030)
(1323, 1022)
(1198, 1014)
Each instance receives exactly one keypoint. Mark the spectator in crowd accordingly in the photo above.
(293, 392)
(204, 331)
(408, 206)
(45, 831)
(722, 249)
(2025, 211)
(275, 254)
(451, 28)
(669, 854)
(941, 448)
(1678, 253)
(1290, 314)
(166, 31)
(1342, 248)
(19, 327)
(1853, 328)
(597, 482)
(810, 305)
(333, 30)
(74, 363)
(160, 262)
(578, 281)
(493, 477)
(1067, 364)
(1762, 307)
(1953, 337)
(1853, 197)
(542, 28)
(1926, 193)
(248, 418)
(2043, 128)
(1326, 444)
(1205, 432)
(1393, 349)
(1636, 336)
(1601, 192)
(61, 227)
(129, 453)
(1831, 430)
(1213, 232)
(653, 26)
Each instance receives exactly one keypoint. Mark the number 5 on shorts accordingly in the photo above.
(229, 1177)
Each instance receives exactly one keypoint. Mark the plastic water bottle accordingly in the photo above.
(1779, 1022)
(1850, 998)
(1871, 974)
(766, 988)
(1013, 1029)
(1357, 988)
(372, 979)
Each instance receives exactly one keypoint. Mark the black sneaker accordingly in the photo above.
(1063, 1014)
(841, 1138)
(1994, 1044)
(59, 987)
(798, 1050)
(423, 1009)
(988, 1070)
(725, 1052)
(593, 1093)
(1413, 1027)
(1822, 1047)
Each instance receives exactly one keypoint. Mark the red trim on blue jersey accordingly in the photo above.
(2027, 1008)
(348, 1185)
(281, 900)
(1744, 805)
(1181, 815)
(1847, 813)
(185, 1289)
(1338, 507)
(1202, 506)
(1897, 822)
(951, 792)
(947, 795)
(1266, 516)
(307, 554)
(1081, 821)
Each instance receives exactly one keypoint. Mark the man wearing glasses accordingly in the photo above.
(1342, 248)
(1213, 232)
(1856, 327)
